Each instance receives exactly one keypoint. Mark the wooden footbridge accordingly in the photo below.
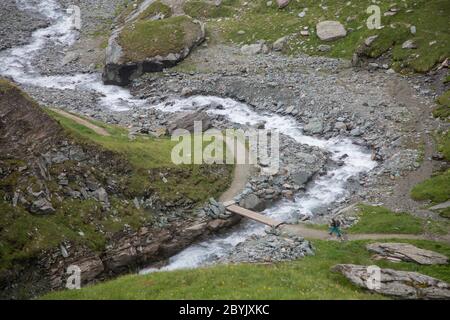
(234, 208)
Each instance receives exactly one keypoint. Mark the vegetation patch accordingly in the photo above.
(203, 9)
(380, 220)
(24, 235)
(436, 189)
(257, 21)
(154, 169)
(308, 278)
(442, 111)
(375, 219)
(156, 8)
(149, 38)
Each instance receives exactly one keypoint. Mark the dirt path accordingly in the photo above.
(309, 233)
(401, 198)
(98, 130)
(242, 173)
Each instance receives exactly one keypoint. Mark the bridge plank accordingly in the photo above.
(253, 215)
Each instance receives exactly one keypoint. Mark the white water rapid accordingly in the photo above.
(17, 64)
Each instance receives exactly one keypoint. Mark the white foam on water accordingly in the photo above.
(17, 62)
(322, 192)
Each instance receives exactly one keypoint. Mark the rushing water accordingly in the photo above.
(323, 191)
(17, 64)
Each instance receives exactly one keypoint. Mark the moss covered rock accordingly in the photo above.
(149, 41)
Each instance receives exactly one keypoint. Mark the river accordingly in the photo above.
(325, 190)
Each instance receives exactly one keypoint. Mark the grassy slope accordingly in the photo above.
(149, 38)
(258, 21)
(442, 111)
(23, 234)
(308, 278)
(195, 182)
(437, 188)
(205, 10)
(376, 219)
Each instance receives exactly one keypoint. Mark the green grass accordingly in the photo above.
(380, 220)
(308, 278)
(201, 9)
(373, 219)
(155, 8)
(436, 189)
(143, 153)
(146, 38)
(258, 21)
(23, 235)
(152, 156)
(443, 143)
(442, 111)
(446, 79)
(445, 213)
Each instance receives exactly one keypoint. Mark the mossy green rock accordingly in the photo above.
(151, 42)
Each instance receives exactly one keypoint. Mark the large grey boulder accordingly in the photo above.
(330, 30)
(280, 43)
(42, 206)
(187, 121)
(254, 49)
(409, 44)
(314, 126)
(441, 206)
(406, 252)
(252, 202)
(101, 195)
(302, 177)
(399, 284)
(282, 3)
(121, 69)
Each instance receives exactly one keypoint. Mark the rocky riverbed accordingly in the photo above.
(325, 98)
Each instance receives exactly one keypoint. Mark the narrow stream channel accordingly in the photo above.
(17, 64)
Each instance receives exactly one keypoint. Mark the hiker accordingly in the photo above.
(335, 227)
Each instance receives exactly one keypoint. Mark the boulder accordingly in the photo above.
(127, 60)
(368, 42)
(315, 126)
(300, 178)
(409, 44)
(441, 206)
(187, 122)
(42, 206)
(324, 48)
(282, 3)
(252, 202)
(330, 30)
(254, 49)
(90, 267)
(399, 284)
(406, 252)
(280, 43)
(101, 195)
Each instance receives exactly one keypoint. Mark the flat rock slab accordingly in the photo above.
(330, 30)
(441, 206)
(406, 252)
(399, 284)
